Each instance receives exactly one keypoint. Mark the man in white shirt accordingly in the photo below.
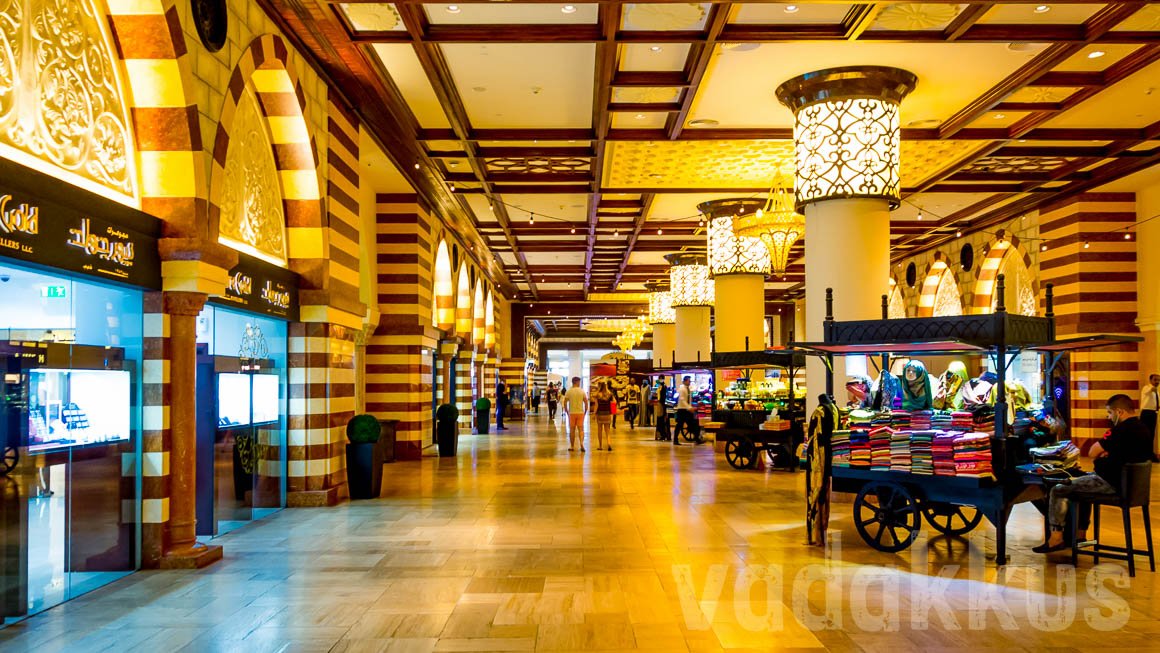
(1149, 405)
(575, 407)
(685, 412)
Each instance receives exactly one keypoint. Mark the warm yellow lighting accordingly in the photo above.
(729, 253)
(690, 280)
(846, 132)
(660, 303)
(778, 225)
(614, 325)
(251, 201)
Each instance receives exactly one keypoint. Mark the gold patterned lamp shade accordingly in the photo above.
(846, 132)
(660, 303)
(729, 252)
(690, 281)
(777, 224)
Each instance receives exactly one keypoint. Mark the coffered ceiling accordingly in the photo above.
(579, 138)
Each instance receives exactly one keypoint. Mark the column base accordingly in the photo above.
(408, 450)
(196, 557)
(317, 498)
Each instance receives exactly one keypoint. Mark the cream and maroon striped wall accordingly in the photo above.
(155, 434)
(1095, 292)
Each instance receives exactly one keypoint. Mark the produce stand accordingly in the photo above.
(741, 430)
(890, 505)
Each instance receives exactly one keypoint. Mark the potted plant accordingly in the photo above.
(364, 457)
(447, 429)
(482, 415)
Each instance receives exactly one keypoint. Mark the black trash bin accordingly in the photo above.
(482, 415)
(447, 429)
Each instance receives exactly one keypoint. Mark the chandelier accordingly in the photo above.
(729, 252)
(660, 303)
(690, 280)
(777, 224)
(846, 132)
(632, 335)
(610, 325)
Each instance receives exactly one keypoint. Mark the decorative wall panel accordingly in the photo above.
(251, 210)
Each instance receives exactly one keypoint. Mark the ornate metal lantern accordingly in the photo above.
(730, 253)
(691, 284)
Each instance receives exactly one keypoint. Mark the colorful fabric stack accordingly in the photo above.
(940, 421)
(859, 448)
(880, 448)
(962, 420)
(859, 418)
(1061, 454)
(900, 452)
(840, 449)
(900, 420)
(920, 420)
(921, 461)
(972, 455)
(984, 422)
(942, 450)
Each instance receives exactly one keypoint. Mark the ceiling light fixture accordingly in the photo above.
(660, 232)
(640, 116)
(958, 233)
(919, 216)
(1128, 236)
(532, 219)
(1086, 244)
(703, 122)
(1042, 9)
(1043, 247)
(452, 9)
(1096, 54)
(999, 116)
(791, 9)
(655, 48)
(568, 9)
(573, 230)
(616, 233)
(416, 165)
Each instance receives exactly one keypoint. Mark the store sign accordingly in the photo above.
(43, 232)
(255, 285)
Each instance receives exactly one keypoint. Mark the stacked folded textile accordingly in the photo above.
(939, 421)
(859, 448)
(900, 419)
(840, 449)
(900, 452)
(860, 418)
(962, 420)
(942, 450)
(972, 455)
(920, 420)
(880, 448)
(921, 460)
(1061, 454)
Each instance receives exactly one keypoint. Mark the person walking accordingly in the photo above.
(685, 416)
(575, 407)
(602, 402)
(661, 413)
(1149, 404)
(646, 407)
(631, 404)
(553, 397)
(501, 404)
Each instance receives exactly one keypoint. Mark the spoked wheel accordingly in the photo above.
(9, 460)
(740, 453)
(949, 519)
(886, 515)
(687, 434)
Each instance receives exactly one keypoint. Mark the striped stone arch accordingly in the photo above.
(464, 316)
(896, 298)
(939, 265)
(489, 323)
(264, 68)
(1004, 244)
(149, 42)
(479, 318)
(443, 316)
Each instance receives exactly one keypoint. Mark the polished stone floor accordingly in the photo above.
(519, 545)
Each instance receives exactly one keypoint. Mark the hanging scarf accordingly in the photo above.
(977, 391)
(887, 390)
(947, 396)
(858, 387)
(915, 387)
(823, 423)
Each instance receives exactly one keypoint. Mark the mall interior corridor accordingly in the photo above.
(518, 545)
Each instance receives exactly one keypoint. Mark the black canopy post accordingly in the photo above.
(746, 343)
(1050, 300)
(885, 307)
(829, 304)
(1001, 290)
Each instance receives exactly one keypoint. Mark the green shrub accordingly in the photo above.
(363, 429)
(483, 403)
(448, 412)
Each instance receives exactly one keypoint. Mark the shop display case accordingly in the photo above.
(70, 408)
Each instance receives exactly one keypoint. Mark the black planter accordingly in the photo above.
(482, 420)
(447, 434)
(364, 469)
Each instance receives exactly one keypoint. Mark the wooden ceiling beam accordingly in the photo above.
(965, 20)
(697, 62)
(637, 227)
(860, 18)
(607, 64)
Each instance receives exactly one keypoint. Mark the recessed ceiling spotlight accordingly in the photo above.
(656, 48)
(452, 9)
(740, 47)
(703, 122)
(1019, 47)
(1096, 54)
(479, 89)
(568, 9)
(656, 175)
(791, 9)
(640, 116)
(1042, 9)
(999, 116)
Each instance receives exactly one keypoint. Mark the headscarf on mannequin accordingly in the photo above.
(948, 396)
(916, 393)
(887, 390)
(858, 387)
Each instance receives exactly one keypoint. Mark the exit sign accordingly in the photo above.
(54, 292)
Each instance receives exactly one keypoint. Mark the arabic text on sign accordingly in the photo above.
(118, 252)
(279, 298)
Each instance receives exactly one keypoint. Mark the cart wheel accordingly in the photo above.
(886, 515)
(687, 434)
(949, 519)
(740, 453)
(8, 462)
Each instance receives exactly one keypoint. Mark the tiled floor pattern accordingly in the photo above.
(519, 545)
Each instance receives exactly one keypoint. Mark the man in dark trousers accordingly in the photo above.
(1149, 404)
(1128, 442)
(501, 404)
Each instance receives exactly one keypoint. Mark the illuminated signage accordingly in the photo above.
(258, 286)
(54, 292)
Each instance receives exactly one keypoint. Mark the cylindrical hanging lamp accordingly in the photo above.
(663, 319)
(738, 265)
(692, 297)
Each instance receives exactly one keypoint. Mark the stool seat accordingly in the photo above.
(1135, 491)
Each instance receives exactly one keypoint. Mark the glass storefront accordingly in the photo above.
(242, 404)
(71, 428)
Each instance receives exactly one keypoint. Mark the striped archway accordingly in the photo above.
(443, 315)
(264, 69)
(464, 316)
(479, 318)
(1003, 245)
(936, 277)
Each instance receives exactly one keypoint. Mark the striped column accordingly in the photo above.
(155, 436)
(511, 372)
(464, 385)
(321, 362)
(399, 353)
(1095, 292)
